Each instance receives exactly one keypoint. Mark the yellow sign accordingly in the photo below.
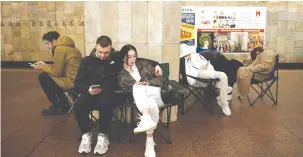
(187, 31)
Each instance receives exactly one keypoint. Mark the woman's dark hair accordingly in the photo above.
(125, 49)
(253, 53)
(50, 36)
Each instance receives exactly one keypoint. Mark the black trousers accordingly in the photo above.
(53, 92)
(231, 71)
(88, 103)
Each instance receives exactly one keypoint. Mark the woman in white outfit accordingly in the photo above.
(197, 66)
(142, 78)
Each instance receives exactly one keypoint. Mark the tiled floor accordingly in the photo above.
(265, 130)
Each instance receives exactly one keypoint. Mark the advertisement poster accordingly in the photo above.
(229, 29)
(188, 26)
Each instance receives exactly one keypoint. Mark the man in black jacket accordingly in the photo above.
(96, 81)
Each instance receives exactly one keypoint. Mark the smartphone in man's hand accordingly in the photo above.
(95, 86)
(31, 64)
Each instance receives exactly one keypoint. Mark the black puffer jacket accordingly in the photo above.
(221, 63)
(93, 71)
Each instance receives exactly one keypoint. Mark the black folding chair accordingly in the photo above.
(72, 96)
(208, 93)
(272, 78)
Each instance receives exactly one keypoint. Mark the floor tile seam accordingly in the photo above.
(22, 126)
(284, 127)
(12, 134)
(35, 147)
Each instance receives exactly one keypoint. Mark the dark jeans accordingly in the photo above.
(53, 92)
(88, 103)
(231, 71)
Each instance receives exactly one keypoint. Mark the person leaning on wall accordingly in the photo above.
(61, 74)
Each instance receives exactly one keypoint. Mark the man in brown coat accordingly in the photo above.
(61, 75)
(263, 62)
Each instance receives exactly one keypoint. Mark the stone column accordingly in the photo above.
(171, 41)
(92, 24)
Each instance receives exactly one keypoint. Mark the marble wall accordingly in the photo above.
(146, 25)
(24, 23)
(150, 26)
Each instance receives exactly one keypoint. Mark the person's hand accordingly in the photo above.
(145, 83)
(41, 62)
(38, 65)
(158, 71)
(139, 83)
(94, 91)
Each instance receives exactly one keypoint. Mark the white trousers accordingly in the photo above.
(148, 97)
(222, 85)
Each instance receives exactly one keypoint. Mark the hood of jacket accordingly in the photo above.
(65, 41)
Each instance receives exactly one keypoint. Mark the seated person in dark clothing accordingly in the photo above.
(221, 63)
(96, 81)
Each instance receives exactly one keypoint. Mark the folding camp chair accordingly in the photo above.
(73, 97)
(208, 93)
(174, 100)
(273, 78)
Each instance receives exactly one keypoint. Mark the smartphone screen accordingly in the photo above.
(31, 64)
(95, 86)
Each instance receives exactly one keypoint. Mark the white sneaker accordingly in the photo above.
(145, 124)
(150, 148)
(225, 109)
(102, 144)
(86, 142)
(229, 89)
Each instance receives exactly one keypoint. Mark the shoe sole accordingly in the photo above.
(97, 153)
(52, 114)
(136, 132)
(83, 152)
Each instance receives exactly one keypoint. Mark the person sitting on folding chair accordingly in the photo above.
(197, 66)
(263, 61)
(144, 81)
(96, 81)
(56, 78)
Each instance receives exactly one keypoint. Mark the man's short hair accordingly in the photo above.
(50, 36)
(104, 41)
